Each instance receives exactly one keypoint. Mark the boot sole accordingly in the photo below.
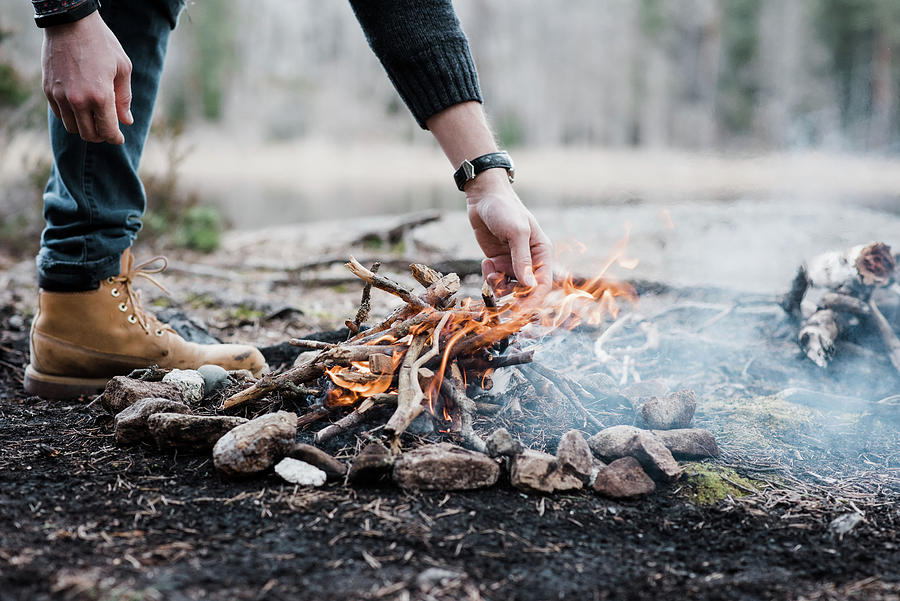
(48, 386)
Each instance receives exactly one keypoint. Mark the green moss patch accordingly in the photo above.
(709, 483)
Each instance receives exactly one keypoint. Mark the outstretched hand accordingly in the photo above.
(513, 243)
(87, 79)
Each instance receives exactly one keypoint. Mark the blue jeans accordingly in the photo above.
(94, 201)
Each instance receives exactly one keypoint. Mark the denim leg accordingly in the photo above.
(94, 201)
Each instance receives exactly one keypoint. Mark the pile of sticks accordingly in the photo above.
(419, 358)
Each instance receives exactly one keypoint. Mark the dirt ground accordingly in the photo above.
(82, 518)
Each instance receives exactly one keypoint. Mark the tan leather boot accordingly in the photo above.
(79, 340)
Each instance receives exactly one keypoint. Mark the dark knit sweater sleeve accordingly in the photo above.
(424, 51)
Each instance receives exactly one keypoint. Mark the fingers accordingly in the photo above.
(122, 90)
(520, 253)
(93, 119)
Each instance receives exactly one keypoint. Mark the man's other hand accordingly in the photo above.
(512, 241)
(87, 79)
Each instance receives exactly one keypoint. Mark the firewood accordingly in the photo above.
(844, 302)
(386, 284)
(891, 342)
(818, 335)
(353, 418)
(467, 409)
(424, 274)
(365, 304)
(409, 395)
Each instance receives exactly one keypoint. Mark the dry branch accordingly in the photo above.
(353, 418)
(535, 371)
(386, 284)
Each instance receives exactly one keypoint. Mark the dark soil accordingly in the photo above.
(83, 518)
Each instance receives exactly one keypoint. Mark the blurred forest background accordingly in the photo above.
(721, 77)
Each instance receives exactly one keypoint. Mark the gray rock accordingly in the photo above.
(300, 472)
(501, 443)
(623, 479)
(674, 410)
(613, 443)
(334, 469)
(535, 471)
(194, 431)
(122, 392)
(445, 467)
(189, 382)
(574, 455)
(255, 446)
(214, 378)
(373, 463)
(690, 443)
(131, 422)
(627, 441)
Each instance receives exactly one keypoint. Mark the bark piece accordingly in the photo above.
(300, 472)
(501, 443)
(122, 392)
(535, 471)
(256, 445)
(623, 479)
(689, 443)
(574, 455)
(373, 464)
(189, 381)
(131, 422)
(674, 410)
(628, 441)
(334, 469)
(445, 466)
(195, 431)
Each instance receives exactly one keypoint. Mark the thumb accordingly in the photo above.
(122, 89)
(520, 253)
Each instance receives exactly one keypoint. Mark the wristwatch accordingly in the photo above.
(494, 160)
(48, 13)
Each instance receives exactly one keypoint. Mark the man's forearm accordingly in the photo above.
(463, 132)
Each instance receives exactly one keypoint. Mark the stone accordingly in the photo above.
(623, 479)
(189, 382)
(300, 472)
(674, 410)
(613, 442)
(194, 431)
(373, 464)
(423, 425)
(215, 378)
(627, 441)
(131, 422)
(334, 469)
(445, 466)
(689, 443)
(501, 443)
(122, 392)
(535, 471)
(574, 455)
(256, 445)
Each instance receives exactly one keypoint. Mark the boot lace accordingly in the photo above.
(126, 281)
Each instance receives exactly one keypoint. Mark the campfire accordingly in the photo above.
(435, 359)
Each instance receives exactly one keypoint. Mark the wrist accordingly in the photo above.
(53, 14)
(486, 183)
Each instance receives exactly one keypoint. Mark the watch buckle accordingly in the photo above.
(469, 170)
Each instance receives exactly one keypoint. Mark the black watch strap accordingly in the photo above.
(494, 160)
(48, 13)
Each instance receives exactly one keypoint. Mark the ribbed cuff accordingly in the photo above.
(442, 76)
(48, 13)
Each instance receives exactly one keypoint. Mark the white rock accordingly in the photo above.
(300, 472)
(189, 381)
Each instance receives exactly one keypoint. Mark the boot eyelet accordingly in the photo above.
(158, 332)
(132, 319)
(110, 280)
(115, 292)
(123, 307)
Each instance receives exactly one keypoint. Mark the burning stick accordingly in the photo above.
(307, 371)
(353, 418)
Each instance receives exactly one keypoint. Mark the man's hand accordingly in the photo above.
(510, 237)
(87, 79)
(512, 241)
